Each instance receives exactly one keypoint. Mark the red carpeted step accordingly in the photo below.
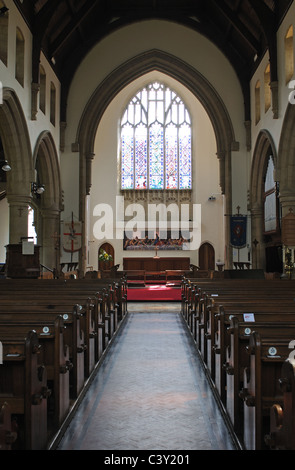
(154, 293)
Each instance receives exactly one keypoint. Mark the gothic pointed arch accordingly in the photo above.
(17, 149)
(49, 205)
(264, 149)
(178, 70)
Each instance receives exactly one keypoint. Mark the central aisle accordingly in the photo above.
(150, 391)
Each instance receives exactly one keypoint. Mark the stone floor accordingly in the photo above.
(150, 391)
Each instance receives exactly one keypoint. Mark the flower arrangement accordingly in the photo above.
(104, 256)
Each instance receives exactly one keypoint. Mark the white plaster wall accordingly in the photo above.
(274, 126)
(7, 77)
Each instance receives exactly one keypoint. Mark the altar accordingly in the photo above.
(156, 264)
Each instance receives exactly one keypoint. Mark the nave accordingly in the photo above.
(150, 391)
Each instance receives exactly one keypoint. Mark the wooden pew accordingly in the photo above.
(174, 277)
(237, 357)
(136, 277)
(261, 385)
(74, 335)
(8, 428)
(53, 354)
(272, 301)
(221, 340)
(281, 434)
(23, 385)
(46, 299)
(85, 287)
(93, 326)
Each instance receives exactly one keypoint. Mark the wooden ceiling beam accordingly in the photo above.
(238, 25)
(73, 25)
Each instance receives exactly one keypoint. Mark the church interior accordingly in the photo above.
(147, 184)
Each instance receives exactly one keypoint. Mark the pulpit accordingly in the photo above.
(22, 261)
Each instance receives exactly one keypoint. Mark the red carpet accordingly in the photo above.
(154, 293)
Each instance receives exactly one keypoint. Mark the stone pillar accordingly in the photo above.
(50, 254)
(257, 240)
(18, 218)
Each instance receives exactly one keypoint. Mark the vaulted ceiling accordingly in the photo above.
(65, 30)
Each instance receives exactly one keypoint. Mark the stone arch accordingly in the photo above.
(180, 71)
(49, 205)
(264, 147)
(17, 148)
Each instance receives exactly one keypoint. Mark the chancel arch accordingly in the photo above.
(188, 77)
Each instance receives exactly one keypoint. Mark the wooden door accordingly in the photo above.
(207, 257)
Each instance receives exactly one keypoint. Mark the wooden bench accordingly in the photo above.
(237, 357)
(23, 385)
(261, 386)
(54, 354)
(135, 277)
(8, 428)
(221, 339)
(97, 317)
(208, 308)
(74, 336)
(281, 434)
(174, 277)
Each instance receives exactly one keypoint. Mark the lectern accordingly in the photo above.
(23, 260)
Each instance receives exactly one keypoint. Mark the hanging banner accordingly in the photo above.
(238, 231)
(72, 236)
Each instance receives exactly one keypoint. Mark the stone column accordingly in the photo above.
(257, 239)
(50, 250)
(18, 218)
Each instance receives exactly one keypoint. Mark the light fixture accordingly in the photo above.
(3, 10)
(6, 166)
(37, 189)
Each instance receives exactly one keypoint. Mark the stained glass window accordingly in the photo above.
(156, 141)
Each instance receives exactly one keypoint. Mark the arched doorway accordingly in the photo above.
(206, 257)
(105, 266)
(264, 205)
(49, 205)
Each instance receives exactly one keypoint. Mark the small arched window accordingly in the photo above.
(42, 99)
(267, 89)
(271, 203)
(156, 150)
(257, 102)
(52, 103)
(20, 57)
(3, 34)
(289, 54)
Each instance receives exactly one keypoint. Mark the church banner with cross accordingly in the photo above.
(238, 231)
(72, 236)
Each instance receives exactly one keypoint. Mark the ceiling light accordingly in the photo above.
(6, 166)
